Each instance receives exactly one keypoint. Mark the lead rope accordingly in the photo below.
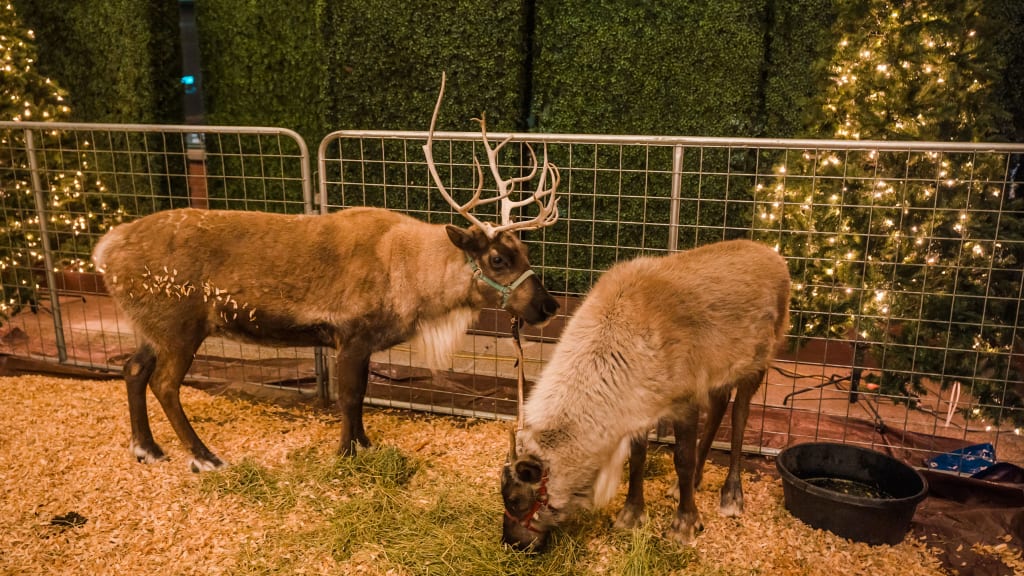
(516, 323)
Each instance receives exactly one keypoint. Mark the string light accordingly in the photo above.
(70, 199)
(888, 232)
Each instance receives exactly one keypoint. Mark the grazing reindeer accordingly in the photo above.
(657, 337)
(360, 280)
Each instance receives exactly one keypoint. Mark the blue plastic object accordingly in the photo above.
(966, 460)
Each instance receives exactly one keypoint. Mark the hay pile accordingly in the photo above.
(424, 502)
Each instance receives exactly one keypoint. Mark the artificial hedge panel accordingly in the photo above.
(263, 64)
(679, 67)
(118, 59)
(676, 67)
(1005, 19)
(385, 58)
(799, 43)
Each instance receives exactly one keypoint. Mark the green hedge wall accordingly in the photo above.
(385, 58)
(264, 64)
(708, 68)
(799, 44)
(119, 60)
(676, 67)
(712, 67)
(1005, 20)
(728, 68)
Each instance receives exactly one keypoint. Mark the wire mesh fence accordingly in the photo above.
(906, 258)
(906, 262)
(63, 185)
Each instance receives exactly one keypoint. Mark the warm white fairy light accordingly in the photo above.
(35, 97)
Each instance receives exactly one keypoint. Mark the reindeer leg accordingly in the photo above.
(719, 401)
(137, 372)
(353, 373)
(732, 490)
(687, 522)
(633, 514)
(168, 375)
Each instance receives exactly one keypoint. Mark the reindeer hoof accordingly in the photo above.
(353, 447)
(630, 518)
(685, 530)
(731, 504)
(198, 465)
(347, 449)
(363, 441)
(147, 454)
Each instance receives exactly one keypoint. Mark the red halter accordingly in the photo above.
(540, 502)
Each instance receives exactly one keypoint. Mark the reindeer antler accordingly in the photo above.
(545, 198)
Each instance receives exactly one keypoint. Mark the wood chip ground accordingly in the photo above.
(64, 455)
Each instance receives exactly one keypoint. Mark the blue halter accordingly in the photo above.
(506, 291)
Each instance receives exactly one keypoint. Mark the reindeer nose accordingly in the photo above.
(521, 538)
(550, 306)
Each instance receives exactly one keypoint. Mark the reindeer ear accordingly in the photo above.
(528, 471)
(462, 239)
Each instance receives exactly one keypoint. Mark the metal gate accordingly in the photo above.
(906, 259)
(62, 185)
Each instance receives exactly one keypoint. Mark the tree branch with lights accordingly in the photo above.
(78, 207)
(915, 255)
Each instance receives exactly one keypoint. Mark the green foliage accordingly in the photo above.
(119, 58)
(75, 203)
(799, 43)
(384, 62)
(250, 172)
(925, 73)
(1001, 22)
(618, 208)
(264, 65)
(915, 254)
(676, 67)
(732, 68)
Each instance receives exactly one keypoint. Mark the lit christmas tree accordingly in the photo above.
(895, 249)
(77, 208)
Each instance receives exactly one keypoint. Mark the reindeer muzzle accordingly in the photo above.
(521, 536)
(548, 307)
(521, 527)
(506, 289)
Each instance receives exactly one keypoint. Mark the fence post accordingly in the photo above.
(44, 236)
(323, 370)
(675, 198)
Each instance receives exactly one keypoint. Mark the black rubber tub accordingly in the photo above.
(857, 493)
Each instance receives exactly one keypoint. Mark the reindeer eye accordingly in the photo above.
(498, 261)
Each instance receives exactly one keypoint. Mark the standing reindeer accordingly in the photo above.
(359, 280)
(657, 337)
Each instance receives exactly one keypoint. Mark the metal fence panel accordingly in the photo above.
(906, 261)
(62, 185)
